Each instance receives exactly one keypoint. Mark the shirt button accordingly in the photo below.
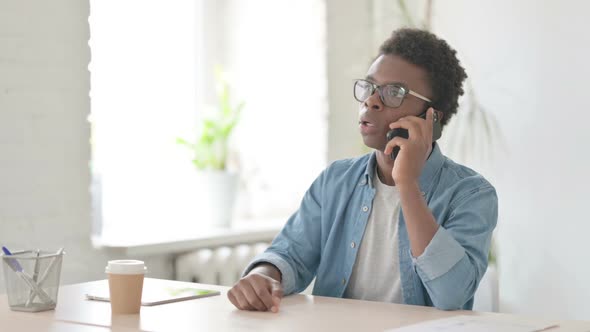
(352, 244)
(363, 182)
(343, 281)
(365, 208)
(423, 193)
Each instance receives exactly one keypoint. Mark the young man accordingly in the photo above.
(413, 230)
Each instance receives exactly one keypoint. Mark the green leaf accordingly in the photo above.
(227, 128)
(211, 146)
(182, 141)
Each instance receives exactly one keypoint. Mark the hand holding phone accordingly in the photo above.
(401, 132)
(397, 132)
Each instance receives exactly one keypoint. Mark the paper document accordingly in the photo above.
(474, 324)
(154, 295)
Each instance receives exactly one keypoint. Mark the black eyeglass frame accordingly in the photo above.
(405, 91)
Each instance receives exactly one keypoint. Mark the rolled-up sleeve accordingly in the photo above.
(287, 273)
(456, 258)
(441, 254)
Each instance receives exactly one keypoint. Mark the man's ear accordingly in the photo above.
(440, 114)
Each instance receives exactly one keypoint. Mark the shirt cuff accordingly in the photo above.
(287, 273)
(441, 254)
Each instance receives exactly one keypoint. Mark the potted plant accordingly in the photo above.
(217, 186)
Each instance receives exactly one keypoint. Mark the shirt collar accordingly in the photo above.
(370, 170)
(431, 167)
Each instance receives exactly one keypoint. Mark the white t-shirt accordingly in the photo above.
(375, 275)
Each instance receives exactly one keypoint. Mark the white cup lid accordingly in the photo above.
(126, 266)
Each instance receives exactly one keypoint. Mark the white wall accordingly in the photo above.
(349, 51)
(44, 135)
(528, 61)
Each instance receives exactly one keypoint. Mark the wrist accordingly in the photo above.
(267, 269)
(408, 187)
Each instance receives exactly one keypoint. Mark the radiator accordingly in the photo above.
(218, 266)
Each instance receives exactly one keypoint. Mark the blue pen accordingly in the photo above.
(14, 265)
(12, 262)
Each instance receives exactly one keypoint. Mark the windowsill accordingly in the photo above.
(237, 233)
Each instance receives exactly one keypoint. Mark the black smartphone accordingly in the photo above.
(401, 132)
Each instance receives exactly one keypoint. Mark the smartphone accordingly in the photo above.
(401, 132)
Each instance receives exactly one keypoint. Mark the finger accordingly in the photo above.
(430, 118)
(412, 125)
(396, 141)
(232, 295)
(277, 295)
(404, 122)
(277, 290)
(408, 120)
(242, 301)
(252, 297)
(262, 289)
(430, 114)
(232, 299)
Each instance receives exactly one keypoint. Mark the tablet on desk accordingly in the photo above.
(155, 295)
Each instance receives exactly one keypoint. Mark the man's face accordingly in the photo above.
(374, 116)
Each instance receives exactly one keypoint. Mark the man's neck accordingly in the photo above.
(384, 168)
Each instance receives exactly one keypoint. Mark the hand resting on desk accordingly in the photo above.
(260, 290)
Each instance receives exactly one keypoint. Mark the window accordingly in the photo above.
(151, 74)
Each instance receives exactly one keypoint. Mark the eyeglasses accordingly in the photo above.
(392, 95)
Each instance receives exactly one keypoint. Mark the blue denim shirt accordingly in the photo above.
(316, 240)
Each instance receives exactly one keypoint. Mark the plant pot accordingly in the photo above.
(216, 196)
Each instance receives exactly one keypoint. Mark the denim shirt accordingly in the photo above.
(317, 240)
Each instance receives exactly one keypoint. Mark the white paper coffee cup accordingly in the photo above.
(125, 285)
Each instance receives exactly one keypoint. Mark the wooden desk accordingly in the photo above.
(297, 313)
(31, 322)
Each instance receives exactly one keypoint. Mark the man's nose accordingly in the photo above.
(374, 102)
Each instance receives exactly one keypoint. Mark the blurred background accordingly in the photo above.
(106, 107)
